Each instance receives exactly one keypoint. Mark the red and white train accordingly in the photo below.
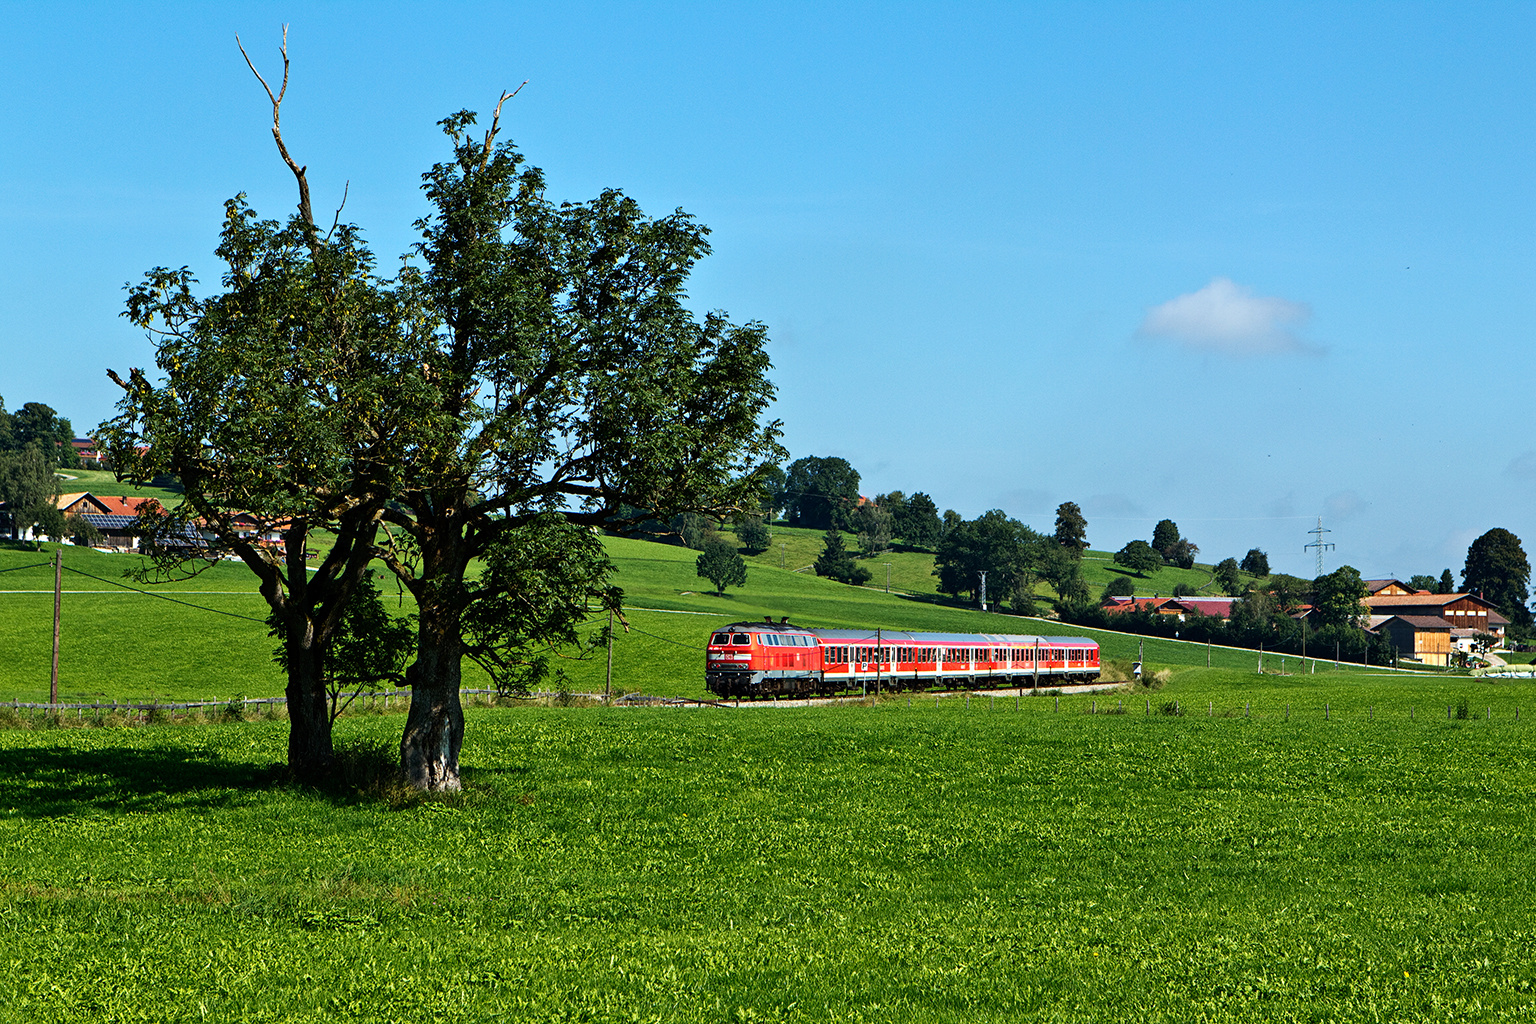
(776, 659)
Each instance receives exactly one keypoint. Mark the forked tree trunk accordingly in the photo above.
(434, 729)
(309, 720)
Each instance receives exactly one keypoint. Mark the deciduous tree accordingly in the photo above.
(1498, 570)
(1139, 557)
(919, 524)
(1164, 536)
(1337, 598)
(722, 565)
(28, 487)
(1227, 577)
(1256, 563)
(570, 380)
(1071, 527)
(821, 492)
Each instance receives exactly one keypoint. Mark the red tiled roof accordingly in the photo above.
(121, 505)
(1138, 604)
(1219, 606)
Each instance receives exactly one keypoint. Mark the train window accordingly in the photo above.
(741, 639)
(720, 639)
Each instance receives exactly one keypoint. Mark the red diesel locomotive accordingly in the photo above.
(777, 659)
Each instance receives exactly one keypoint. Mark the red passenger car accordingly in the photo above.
(757, 659)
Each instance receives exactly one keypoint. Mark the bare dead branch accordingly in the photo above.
(490, 135)
(305, 211)
(336, 220)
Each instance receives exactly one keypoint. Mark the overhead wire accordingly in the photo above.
(162, 597)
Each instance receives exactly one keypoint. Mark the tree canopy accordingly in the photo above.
(1005, 549)
(1337, 597)
(836, 563)
(530, 376)
(1139, 557)
(1256, 563)
(722, 565)
(918, 521)
(1497, 569)
(1071, 527)
(821, 493)
(1164, 536)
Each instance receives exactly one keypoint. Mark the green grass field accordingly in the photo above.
(206, 638)
(939, 862)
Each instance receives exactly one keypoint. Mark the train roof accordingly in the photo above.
(988, 639)
(858, 635)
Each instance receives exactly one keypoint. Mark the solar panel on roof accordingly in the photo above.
(110, 522)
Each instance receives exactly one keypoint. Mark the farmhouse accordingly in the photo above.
(1429, 626)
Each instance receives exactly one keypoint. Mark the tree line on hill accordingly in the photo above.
(35, 442)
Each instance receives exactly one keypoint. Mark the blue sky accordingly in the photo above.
(1238, 265)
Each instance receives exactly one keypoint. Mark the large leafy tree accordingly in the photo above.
(570, 382)
(918, 522)
(281, 401)
(1005, 549)
(1337, 598)
(1497, 569)
(1164, 536)
(29, 489)
(1256, 562)
(1138, 556)
(722, 565)
(1071, 527)
(821, 493)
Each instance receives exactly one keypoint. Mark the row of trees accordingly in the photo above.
(38, 426)
(1265, 618)
(529, 376)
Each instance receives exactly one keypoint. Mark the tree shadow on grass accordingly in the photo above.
(53, 781)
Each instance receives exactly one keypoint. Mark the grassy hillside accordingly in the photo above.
(206, 638)
(912, 571)
(939, 863)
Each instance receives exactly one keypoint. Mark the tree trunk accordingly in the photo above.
(434, 729)
(309, 720)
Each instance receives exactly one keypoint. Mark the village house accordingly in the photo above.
(1429, 626)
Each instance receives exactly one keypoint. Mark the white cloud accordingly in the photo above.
(1522, 466)
(1228, 318)
(1343, 505)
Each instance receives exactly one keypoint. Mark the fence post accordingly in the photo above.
(1325, 712)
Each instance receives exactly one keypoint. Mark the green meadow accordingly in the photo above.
(939, 861)
(1316, 845)
(206, 638)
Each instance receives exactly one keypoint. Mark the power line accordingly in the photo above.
(163, 597)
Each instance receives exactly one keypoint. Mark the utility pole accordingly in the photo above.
(58, 578)
(887, 577)
(879, 657)
(781, 554)
(608, 683)
(983, 591)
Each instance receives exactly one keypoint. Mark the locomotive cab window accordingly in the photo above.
(741, 639)
(720, 639)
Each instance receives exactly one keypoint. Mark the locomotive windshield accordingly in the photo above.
(741, 639)
(720, 639)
